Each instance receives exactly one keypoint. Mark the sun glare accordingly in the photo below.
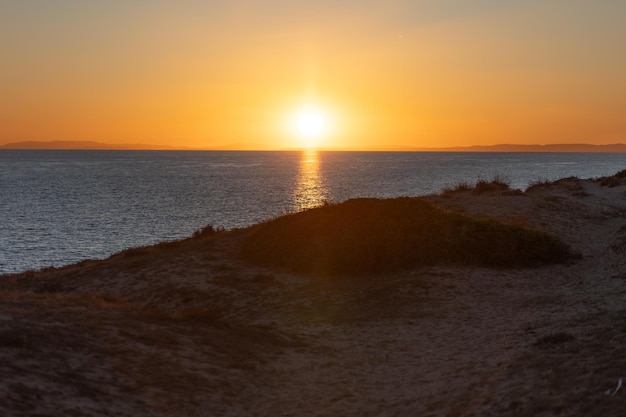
(310, 124)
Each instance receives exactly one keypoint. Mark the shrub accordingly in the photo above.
(620, 174)
(497, 184)
(206, 231)
(460, 186)
(374, 235)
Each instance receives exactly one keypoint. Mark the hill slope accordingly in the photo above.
(188, 328)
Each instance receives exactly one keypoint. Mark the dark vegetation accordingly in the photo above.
(614, 180)
(206, 231)
(459, 187)
(496, 185)
(499, 185)
(382, 235)
(611, 181)
(538, 184)
(201, 235)
(572, 184)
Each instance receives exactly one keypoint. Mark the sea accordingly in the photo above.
(61, 207)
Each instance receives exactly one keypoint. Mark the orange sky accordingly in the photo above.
(397, 73)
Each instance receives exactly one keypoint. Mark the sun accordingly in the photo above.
(310, 124)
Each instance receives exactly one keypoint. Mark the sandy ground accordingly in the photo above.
(186, 329)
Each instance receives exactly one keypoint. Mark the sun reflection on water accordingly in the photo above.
(310, 190)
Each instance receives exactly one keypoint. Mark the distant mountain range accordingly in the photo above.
(91, 145)
(82, 145)
(571, 147)
(88, 145)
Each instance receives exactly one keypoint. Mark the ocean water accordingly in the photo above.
(60, 207)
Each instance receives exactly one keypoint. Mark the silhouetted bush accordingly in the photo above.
(459, 187)
(374, 235)
(620, 174)
(206, 231)
(497, 184)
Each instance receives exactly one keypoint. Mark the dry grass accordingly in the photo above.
(538, 184)
(496, 185)
(614, 180)
(459, 187)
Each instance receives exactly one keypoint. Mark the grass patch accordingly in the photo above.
(459, 187)
(572, 184)
(620, 174)
(141, 251)
(538, 184)
(614, 180)
(496, 185)
(381, 235)
(207, 231)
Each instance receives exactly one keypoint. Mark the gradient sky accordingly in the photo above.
(421, 73)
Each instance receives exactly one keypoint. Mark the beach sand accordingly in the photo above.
(188, 329)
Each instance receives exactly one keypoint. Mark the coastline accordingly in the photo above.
(189, 328)
(64, 207)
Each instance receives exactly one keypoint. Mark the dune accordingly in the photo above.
(480, 300)
(367, 235)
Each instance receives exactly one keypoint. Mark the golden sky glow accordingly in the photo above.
(395, 73)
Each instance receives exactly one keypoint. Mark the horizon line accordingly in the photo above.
(504, 147)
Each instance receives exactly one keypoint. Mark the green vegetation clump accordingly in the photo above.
(381, 235)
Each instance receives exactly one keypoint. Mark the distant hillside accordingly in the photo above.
(90, 145)
(572, 147)
(85, 145)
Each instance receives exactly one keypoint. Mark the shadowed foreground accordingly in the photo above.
(450, 325)
(373, 235)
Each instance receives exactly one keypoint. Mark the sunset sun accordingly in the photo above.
(310, 124)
